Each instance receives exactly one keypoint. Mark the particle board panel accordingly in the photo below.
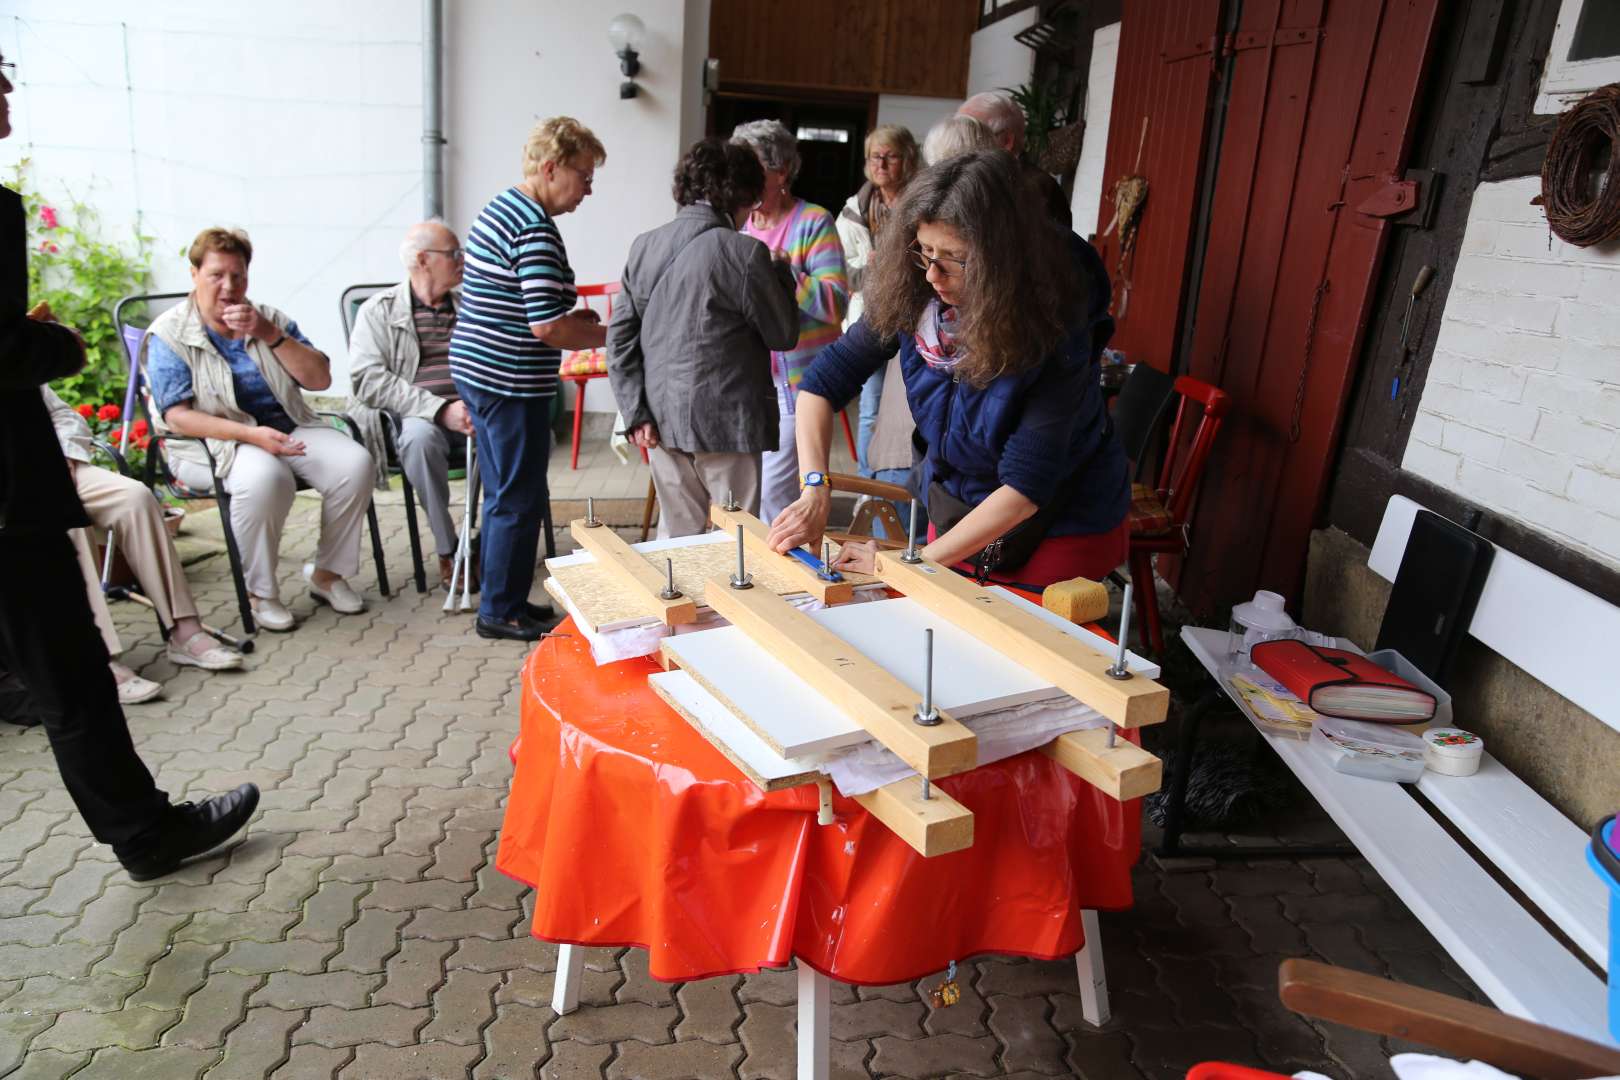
(631, 570)
(759, 549)
(752, 756)
(1049, 652)
(857, 686)
(608, 603)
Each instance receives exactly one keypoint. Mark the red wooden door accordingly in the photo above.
(1164, 74)
(1319, 118)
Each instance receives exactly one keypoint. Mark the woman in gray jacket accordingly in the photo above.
(689, 346)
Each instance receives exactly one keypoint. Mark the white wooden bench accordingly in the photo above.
(1564, 637)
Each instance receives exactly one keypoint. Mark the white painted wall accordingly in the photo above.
(1088, 175)
(1521, 410)
(301, 122)
(298, 121)
(996, 60)
(916, 113)
(509, 66)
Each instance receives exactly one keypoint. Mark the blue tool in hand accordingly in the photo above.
(823, 570)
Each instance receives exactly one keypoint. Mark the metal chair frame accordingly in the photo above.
(137, 395)
(349, 303)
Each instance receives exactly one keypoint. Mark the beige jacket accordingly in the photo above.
(182, 329)
(71, 430)
(384, 353)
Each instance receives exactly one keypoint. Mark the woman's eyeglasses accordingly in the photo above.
(948, 267)
(883, 159)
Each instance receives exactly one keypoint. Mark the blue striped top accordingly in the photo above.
(517, 275)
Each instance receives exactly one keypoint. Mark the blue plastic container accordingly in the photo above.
(1604, 855)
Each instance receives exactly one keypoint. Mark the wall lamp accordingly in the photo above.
(626, 33)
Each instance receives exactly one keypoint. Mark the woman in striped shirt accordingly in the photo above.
(516, 318)
(802, 235)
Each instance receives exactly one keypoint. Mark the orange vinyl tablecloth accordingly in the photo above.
(634, 830)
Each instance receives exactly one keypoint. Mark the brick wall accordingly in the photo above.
(1521, 410)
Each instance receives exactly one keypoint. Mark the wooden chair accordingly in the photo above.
(876, 509)
(1161, 516)
(1447, 1025)
(584, 365)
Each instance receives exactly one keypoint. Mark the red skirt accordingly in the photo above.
(1059, 558)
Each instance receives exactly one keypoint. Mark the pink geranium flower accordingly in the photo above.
(47, 216)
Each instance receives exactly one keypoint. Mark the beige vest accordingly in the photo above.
(214, 391)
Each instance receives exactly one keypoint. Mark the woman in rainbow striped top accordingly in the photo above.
(802, 235)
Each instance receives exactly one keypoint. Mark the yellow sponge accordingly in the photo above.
(1079, 600)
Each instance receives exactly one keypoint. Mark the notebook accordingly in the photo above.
(1336, 682)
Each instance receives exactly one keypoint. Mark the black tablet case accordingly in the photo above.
(1442, 572)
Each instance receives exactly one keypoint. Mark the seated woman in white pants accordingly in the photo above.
(230, 371)
(127, 510)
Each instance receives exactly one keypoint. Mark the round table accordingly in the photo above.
(634, 830)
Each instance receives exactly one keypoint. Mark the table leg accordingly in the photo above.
(570, 970)
(1088, 963)
(815, 1029)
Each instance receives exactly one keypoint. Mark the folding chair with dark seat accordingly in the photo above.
(157, 465)
(349, 304)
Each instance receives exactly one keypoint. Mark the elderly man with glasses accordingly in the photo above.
(400, 364)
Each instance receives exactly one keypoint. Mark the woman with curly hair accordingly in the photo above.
(689, 346)
(999, 317)
(517, 315)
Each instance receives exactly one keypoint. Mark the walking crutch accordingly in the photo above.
(461, 567)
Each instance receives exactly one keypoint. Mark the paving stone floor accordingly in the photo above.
(361, 930)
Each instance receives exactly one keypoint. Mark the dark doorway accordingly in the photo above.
(832, 139)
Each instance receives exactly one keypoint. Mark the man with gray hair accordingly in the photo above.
(400, 365)
(998, 112)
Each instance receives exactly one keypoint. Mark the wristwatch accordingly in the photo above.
(812, 479)
(279, 342)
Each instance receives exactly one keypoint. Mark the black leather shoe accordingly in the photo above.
(193, 829)
(544, 614)
(521, 628)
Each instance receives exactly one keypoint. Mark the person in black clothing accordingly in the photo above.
(48, 638)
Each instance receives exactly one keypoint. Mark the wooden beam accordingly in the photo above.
(629, 568)
(864, 691)
(937, 825)
(758, 534)
(1123, 770)
(1068, 664)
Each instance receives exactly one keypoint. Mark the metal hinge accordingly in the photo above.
(1260, 39)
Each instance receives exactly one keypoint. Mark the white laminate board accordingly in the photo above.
(1561, 634)
(1522, 968)
(1539, 849)
(717, 722)
(581, 557)
(970, 678)
(792, 717)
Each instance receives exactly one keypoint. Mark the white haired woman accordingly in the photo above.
(956, 135)
(802, 235)
(891, 162)
(517, 314)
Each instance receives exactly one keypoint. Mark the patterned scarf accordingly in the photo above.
(936, 337)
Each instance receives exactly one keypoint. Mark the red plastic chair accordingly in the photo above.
(584, 365)
(1220, 1070)
(1160, 518)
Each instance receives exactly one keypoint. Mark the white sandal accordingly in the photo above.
(134, 690)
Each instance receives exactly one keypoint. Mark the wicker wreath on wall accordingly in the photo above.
(1579, 191)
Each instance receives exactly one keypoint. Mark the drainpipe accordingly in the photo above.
(432, 108)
